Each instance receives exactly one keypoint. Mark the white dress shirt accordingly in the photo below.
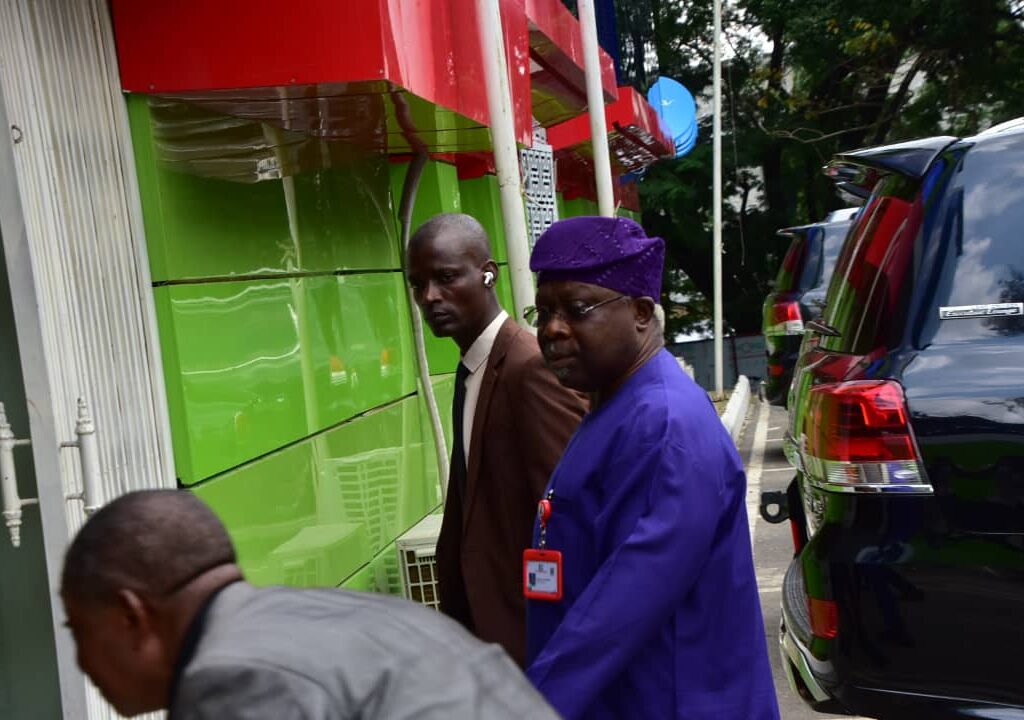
(475, 361)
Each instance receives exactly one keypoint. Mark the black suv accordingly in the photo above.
(906, 595)
(799, 295)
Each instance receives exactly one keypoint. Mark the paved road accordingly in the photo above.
(767, 469)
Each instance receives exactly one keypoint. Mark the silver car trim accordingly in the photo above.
(793, 659)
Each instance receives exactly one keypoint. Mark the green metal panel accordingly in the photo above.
(444, 393)
(380, 575)
(442, 353)
(364, 579)
(197, 227)
(438, 191)
(504, 289)
(254, 365)
(313, 513)
(482, 200)
(441, 129)
(29, 687)
(580, 206)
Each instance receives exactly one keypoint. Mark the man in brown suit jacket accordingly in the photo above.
(511, 421)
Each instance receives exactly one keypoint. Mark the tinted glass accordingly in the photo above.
(834, 235)
(976, 241)
(792, 265)
(870, 287)
(809, 276)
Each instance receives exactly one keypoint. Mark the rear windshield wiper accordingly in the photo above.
(817, 326)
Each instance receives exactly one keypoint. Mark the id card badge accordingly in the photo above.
(542, 574)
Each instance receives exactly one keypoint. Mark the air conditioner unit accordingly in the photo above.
(417, 558)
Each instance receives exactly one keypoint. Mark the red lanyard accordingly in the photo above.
(544, 510)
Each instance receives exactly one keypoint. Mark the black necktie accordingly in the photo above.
(457, 473)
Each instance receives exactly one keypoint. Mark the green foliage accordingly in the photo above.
(803, 80)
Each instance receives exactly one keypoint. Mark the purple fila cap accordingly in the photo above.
(614, 253)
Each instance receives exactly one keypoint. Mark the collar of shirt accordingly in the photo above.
(480, 350)
(190, 643)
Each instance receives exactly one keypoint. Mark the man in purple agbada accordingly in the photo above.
(659, 614)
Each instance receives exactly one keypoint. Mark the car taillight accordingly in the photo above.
(856, 437)
(785, 319)
(794, 532)
(824, 618)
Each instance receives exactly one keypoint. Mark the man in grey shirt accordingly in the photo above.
(163, 618)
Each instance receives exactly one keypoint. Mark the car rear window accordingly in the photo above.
(870, 289)
(792, 265)
(801, 268)
(978, 241)
(835, 234)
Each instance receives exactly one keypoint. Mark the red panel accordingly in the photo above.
(636, 135)
(177, 45)
(576, 179)
(475, 164)
(466, 70)
(629, 196)
(556, 45)
(429, 47)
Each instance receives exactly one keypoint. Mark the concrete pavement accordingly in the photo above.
(767, 469)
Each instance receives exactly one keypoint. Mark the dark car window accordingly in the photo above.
(869, 291)
(834, 234)
(792, 265)
(978, 240)
(812, 261)
(801, 268)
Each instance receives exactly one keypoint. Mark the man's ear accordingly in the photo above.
(135, 613)
(643, 312)
(489, 272)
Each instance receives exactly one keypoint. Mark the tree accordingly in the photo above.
(803, 80)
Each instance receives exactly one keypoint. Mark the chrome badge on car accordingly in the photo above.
(955, 312)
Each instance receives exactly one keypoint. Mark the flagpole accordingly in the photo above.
(716, 250)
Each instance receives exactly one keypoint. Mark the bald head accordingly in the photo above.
(452, 277)
(455, 231)
(151, 541)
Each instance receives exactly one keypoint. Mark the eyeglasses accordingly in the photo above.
(576, 312)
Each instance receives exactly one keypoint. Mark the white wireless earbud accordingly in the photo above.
(488, 278)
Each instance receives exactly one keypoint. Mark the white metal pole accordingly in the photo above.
(595, 108)
(506, 154)
(716, 250)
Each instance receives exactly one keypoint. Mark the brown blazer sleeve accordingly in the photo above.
(545, 416)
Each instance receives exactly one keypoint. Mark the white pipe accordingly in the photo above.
(595, 108)
(506, 154)
(716, 251)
